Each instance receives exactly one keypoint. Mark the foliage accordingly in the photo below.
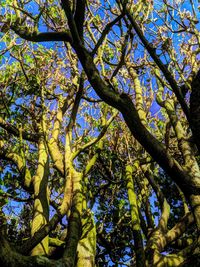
(99, 133)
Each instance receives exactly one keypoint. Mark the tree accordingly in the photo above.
(139, 58)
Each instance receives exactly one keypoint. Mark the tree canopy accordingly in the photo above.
(99, 133)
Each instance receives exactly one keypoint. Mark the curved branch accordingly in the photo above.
(41, 234)
(15, 131)
(105, 32)
(94, 141)
(18, 161)
(180, 227)
(34, 36)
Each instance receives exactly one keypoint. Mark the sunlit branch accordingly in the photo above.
(76, 104)
(183, 144)
(52, 144)
(180, 227)
(134, 207)
(144, 195)
(156, 188)
(163, 68)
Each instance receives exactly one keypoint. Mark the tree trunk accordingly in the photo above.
(41, 200)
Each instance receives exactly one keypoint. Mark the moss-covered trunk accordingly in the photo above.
(86, 250)
(138, 241)
(41, 199)
(74, 226)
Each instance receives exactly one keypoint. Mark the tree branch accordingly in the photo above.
(15, 131)
(105, 32)
(79, 16)
(34, 36)
(160, 64)
(180, 227)
(124, 104)
(41, 234)
(94, 141)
